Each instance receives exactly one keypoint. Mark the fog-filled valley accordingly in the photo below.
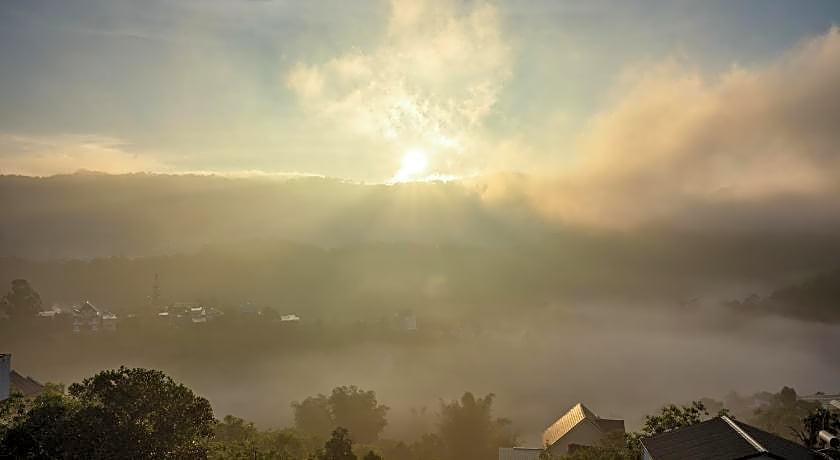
(543, 318)
(420, 230)
(623, 359)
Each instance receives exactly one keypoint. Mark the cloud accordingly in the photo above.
(60, 154)
(677, 146)
(431, 82)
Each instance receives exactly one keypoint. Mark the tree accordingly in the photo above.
(347, 406)
(784, 414)
(787, 396)
(672, 417)
(42, 428)
(237, 439)
(613, 447)
(359, 412)
(22, 300)
(428, 447)
(233, 437)
(283, 444)
(157, 415)
(669, 418)
(234, 429)
(123, 413)
(468, 429)
(339, 447)
(819, 419)
(371, 455)
(313, 416)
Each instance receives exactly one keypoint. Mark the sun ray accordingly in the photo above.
(414, 162)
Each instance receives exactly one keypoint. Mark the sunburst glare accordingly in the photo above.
(414, 163)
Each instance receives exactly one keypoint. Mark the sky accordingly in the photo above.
(593, 97)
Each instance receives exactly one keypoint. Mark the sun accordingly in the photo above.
(414, 162)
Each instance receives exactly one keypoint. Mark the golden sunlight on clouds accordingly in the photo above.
(675, 140)
(431, 82)
(44, 156)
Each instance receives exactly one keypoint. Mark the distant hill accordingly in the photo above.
(816, 298)
(375, 246)
(89, 215)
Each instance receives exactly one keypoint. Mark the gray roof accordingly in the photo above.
(26, 385)
(723, 439)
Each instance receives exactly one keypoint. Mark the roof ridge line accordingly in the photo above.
(743, 434)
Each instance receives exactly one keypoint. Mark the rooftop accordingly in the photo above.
(575, 415)
(26, 385)
(722, 438)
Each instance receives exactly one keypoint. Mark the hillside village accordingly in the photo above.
(581, 434)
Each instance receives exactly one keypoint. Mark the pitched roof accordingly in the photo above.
(723, 439)
(573, 417)
(26, 385)
(87, 306)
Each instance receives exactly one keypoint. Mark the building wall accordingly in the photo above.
(584, 433)
(5, 372)
(519, 453)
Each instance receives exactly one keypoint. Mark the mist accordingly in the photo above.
(324, 218)
(622, 360)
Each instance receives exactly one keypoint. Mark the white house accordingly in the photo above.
(579, 427)
(519, 453)
(109, 322)
(5, 373)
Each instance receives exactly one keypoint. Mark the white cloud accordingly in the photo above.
(675, 142)
(430, 83)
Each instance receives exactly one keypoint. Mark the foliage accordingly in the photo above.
(234, 429)
(428, 447)
(819, 419)
(358, 411)
(22, 300)
(237, 439)
(371, 455)
(124, 413)
(347, 406)
(313, 416)
(612, 448)
(783, 414)
(670, 417)
(339, 446)
(468, 429)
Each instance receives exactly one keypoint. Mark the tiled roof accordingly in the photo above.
(723, 439)
(26, 385)
(776, 445)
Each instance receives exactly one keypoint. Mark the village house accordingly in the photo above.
(722, 438)
(88, 318)
(13, 382)
(187, 312)
(579, 427)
